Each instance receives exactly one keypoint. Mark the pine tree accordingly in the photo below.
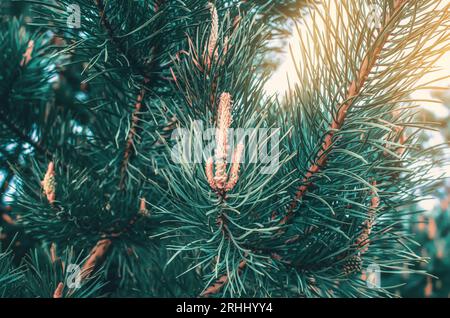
(96, 114)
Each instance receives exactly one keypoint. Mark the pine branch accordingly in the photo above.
(131, 136)
(96, 255)
(99, 251)
(112, 37)
(353, 91)
(45, 276)
(4, 212)
(220, 283)
(220, 215)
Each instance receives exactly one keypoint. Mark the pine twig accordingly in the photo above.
(217, 286)
(131, 136)
(111, 35)
(49, 183)
(363, 240)
(58, 293)
(221, 182)
(353, 91)
(99, 251)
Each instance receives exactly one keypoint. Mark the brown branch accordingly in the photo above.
(374, 202)
(217, 286)
(53, 255)
(96, 256)
(131, 136)
(98, 253)
(353, 91)
(4, 213)
(158, 4)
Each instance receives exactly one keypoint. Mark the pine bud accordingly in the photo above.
(363, 239)
(226, 44)
(214, 35)
(49, 183)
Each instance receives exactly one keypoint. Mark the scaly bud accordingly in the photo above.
(49, 183)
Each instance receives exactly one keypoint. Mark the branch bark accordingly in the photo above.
(131, 136)
(22, 136)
